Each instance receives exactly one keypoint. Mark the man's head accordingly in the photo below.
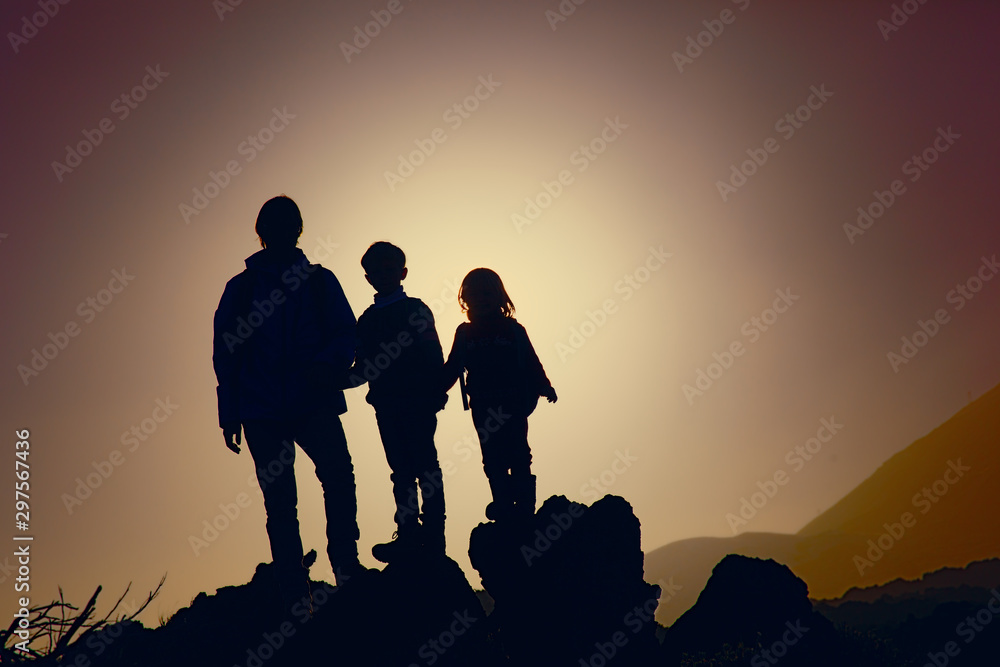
(384, 265)
(279, 223)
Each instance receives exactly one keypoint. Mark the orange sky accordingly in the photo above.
(635, 273)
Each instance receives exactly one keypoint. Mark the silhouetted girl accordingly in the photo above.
(505, 379)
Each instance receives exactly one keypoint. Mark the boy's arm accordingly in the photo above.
(428, 350)
(454, 366)
(354, 376)
(425, 333)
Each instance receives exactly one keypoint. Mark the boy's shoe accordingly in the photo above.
(349, 571)
(401, 546)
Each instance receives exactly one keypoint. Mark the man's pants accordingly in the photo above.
(322, 438)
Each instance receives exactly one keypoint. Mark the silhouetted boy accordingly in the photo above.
(283, 329)
(399, 356)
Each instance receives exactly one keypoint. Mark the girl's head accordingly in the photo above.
(482, 293)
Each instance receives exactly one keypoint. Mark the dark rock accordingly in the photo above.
(567, 585)
(750, 606)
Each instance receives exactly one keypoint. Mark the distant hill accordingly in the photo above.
(943, 485)
(984, 574)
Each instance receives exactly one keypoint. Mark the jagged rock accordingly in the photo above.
(750, 606)
(419, 612)
(567, 585)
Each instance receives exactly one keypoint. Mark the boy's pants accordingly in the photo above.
(408, 439)
(322, 438)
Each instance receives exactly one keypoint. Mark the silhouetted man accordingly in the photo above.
(283, 331)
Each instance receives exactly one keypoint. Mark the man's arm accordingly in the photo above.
(226, 359)
(338, 353)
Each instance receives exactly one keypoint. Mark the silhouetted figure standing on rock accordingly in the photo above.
(283, 331)
(505, 380)
(399, 356)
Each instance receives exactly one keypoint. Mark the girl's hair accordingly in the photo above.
(482, 293)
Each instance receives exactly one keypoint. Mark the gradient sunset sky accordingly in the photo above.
(634, 271)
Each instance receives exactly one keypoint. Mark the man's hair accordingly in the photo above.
(383, 252)
(279, 223)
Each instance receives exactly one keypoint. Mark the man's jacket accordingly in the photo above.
(283, 331)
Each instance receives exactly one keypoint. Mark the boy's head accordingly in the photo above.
(384, 265)
(279, 223)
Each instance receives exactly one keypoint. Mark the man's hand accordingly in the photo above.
(233, 435)
(550, 394)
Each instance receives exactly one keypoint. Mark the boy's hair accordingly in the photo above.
(279, 223)
(383, 252)
(482, 291)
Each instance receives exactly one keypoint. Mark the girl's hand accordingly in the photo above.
(550, 394)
